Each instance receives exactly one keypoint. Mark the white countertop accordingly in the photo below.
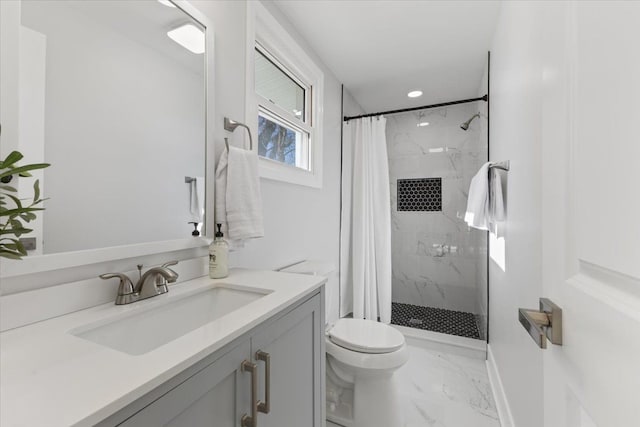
(49, 377)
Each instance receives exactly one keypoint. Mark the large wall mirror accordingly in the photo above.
(113, 95)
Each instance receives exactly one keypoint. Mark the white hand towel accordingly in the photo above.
(238, 197)
(196, 199)
(496, 204)
(477, 214)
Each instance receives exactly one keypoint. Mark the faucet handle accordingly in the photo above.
(125, 288)
(170, 263)
(163, 282)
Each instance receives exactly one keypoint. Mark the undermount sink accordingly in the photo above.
(148, 327)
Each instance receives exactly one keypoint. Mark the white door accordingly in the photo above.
(591, 212)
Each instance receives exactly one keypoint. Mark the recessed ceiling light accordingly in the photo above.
(166, 3)
(414, 93)
(189, 37)
(421, 124)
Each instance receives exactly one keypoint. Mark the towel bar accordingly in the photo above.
(231, 125)
(500, 165)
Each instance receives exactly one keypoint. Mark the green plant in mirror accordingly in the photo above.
(14, 212)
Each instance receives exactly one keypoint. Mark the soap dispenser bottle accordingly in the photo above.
(218, 256)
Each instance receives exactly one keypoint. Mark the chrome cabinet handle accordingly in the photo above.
(251, 420)
(265, 357)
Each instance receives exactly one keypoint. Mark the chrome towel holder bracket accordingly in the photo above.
(231, 125)
(500, 165)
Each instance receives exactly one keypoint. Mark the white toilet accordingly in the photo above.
(362, 356)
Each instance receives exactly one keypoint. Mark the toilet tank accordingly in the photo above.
(332, 291)
(314, 268)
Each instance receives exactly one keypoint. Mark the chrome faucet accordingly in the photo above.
(150, 284)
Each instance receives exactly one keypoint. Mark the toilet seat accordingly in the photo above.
(366, 336)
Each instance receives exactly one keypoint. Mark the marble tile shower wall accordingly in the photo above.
(435, 254)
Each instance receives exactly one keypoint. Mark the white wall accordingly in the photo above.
(300, 222)
(350, 106)
(516, 136)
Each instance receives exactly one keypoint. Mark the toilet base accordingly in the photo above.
(370, 401)
(376, 403)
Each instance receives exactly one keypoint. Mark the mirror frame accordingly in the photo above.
(190, 246)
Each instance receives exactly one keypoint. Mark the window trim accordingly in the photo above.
(265, 33)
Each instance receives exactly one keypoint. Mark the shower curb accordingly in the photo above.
(437, 341)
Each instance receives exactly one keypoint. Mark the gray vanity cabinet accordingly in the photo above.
(217, 392)
(209, 398)
(295, 345)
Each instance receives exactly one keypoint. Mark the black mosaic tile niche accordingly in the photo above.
(440, 320)
(420, 194)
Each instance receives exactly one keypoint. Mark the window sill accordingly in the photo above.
(273, 170)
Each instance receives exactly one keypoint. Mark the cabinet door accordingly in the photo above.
(295, 344)
(216, 396)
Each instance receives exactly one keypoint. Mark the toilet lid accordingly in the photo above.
(366, 336)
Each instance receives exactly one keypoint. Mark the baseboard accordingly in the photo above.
(502, 403)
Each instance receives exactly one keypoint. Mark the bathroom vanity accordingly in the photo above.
(261, 363)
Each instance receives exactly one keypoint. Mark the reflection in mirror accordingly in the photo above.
(117, 107)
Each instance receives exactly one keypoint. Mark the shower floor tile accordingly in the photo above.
(435, 319)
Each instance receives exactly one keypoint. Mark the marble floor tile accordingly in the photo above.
(443, 390)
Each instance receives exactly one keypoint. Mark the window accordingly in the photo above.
(278, 86)
(281, 142)
(283, 129)
(285, 91)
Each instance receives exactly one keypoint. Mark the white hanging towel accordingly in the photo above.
(496, 204)
(485, 204)
(238, 197)
(196, 199)
(477, 215)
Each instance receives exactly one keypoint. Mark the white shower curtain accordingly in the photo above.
(365, 240)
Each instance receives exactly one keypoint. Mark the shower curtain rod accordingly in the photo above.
(424, 107)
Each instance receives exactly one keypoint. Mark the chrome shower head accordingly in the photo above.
(465, 125)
